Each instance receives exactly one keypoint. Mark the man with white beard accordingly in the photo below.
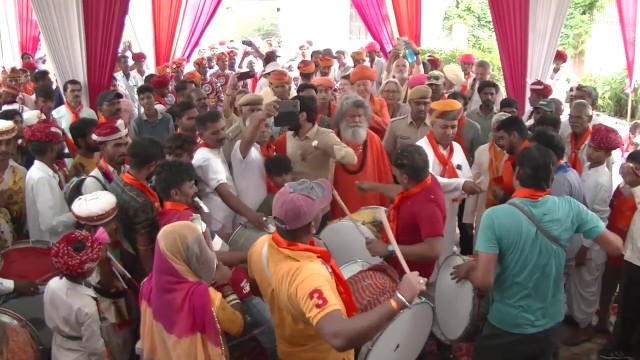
(352, 121)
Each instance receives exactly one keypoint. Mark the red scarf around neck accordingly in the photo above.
(268, 150)
(448, 169)
(574, 157)
(531, 194)
(393, 209)
(143, 187)
(325, 256)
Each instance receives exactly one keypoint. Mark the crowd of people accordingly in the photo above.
(141, 198)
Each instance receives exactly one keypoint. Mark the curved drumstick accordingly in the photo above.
(392, 240)
(338, 199)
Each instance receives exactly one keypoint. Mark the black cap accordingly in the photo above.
(107, 96)
(328, 53)
(509, 103)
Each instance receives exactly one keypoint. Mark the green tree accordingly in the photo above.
(578, 26)
(476, 16)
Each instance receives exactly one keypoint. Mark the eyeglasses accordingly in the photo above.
(390, 92)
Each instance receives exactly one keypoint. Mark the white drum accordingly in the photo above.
(404, 337)
(353, 268)
(459, 310)
(344, 240)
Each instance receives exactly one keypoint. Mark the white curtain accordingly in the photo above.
(62, 26)
(9, 43)
(141, 22)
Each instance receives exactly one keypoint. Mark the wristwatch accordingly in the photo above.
(391, 251)
(315, 144)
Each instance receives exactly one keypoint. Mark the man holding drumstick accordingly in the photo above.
(310, 301)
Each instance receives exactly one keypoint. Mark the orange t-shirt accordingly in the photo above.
(299, 290)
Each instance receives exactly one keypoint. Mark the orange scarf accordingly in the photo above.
(623, 208)
(574, 157)
(103, 119)
(495, 159)
(202, 145)
(531, 194)
(459, 138)
(75, 114)
(506, 181)
(143, 187)
(325, 256)
(172, 205)
(448, 169)
(393, 209)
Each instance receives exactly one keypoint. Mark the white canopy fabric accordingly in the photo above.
(9, 42)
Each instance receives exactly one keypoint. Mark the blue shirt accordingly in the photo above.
(528, 290)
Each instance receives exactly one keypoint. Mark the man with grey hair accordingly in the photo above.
(482, 71)
(351, 120)
(576, 142)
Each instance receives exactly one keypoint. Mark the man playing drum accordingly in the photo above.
(528, 237)
(309, 299)
(417, 216)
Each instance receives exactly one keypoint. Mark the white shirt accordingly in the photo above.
(632, 243)
(598, 188)
(379, 66)
(249, 175)
(70, 310)
(6, 286)
(212, 170)
(92, 185)
(476, 205)
(16, 106)
(63, 116)
(262, 84)
(48, 215)
(129, 87)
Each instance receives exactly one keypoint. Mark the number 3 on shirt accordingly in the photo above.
(318, 296)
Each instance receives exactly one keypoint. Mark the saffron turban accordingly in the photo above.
(76, 254)
(358, 55)
(193, 76)
(279, 77)
(541, 89)
(324, 82)
(326, 60)
(446, 110)
(199, 62)
(363, 72)
(306, 67)
(605, 138)
(160, 81)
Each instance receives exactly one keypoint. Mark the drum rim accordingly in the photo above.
(35, 335)
(474, 306)
(19, 244)
(241, 226)
(352, 223)
(371, 343)
(356, 261)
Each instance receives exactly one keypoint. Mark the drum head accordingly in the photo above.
(353, 268)
(404, 337)
(31, 310)
(454, 302)
(38, 268)
(346, 243)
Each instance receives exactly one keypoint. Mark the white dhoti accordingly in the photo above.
(583, 287)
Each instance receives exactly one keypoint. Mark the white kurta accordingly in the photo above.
(70, 311)
(129, 87)
(249, 175)
(63, 116)
(476, 205)
(212, 170)
(48, 215)
(464, 173)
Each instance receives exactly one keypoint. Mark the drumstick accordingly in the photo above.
(393, 242)
(120, 269)
(338, 199)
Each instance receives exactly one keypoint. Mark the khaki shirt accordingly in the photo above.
(403, 131)
(234, 133)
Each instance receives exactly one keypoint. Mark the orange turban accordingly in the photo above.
(162, 69)
(306, 67)
(221, 56)
(194, 76)
(199, 62)
(324, 82)
(279, 77)
(363, 72)
(232, 53)
(325, 61)
(358, 55)
(178, 63)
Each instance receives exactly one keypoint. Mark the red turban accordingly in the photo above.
(139, 57)
(605, 138)
(434, 62)
(76, 254)
(44, 131)
(372, 46)
(325, 60)
(9, 89)
(324, 82)
(232, 53)
(541, 89)
(160, 81)
(30, 65)
(178, 63)
(13, 73)
(109, 131)
(199, 62)
(561, 55)
(467, 58)
(363, 72)
(279, 77)
(306, 67)
(221, 56)
(194, 76)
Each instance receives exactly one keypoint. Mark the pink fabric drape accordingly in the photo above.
(197, 17)
(166, 15)
(28, 29)
(375, 17)
(103, 27)
(408, 18)
(511, 25)
(628, 13)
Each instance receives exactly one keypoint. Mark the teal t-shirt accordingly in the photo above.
(528, 293)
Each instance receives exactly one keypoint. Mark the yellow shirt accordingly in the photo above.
(299, 290)
(87, 165)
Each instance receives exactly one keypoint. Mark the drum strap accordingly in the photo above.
(554, 240)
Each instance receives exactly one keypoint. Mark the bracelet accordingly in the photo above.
(234, 302)
(394, 305)
(403, 299)
(232, 298)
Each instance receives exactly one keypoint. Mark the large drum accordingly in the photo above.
(246, 235)
(346, 238)
(28, 313)
(27, 260)
(370, 285)
(460, 310)
(18, 339)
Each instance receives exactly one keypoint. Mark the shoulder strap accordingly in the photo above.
(99, 181)
(554, 240)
